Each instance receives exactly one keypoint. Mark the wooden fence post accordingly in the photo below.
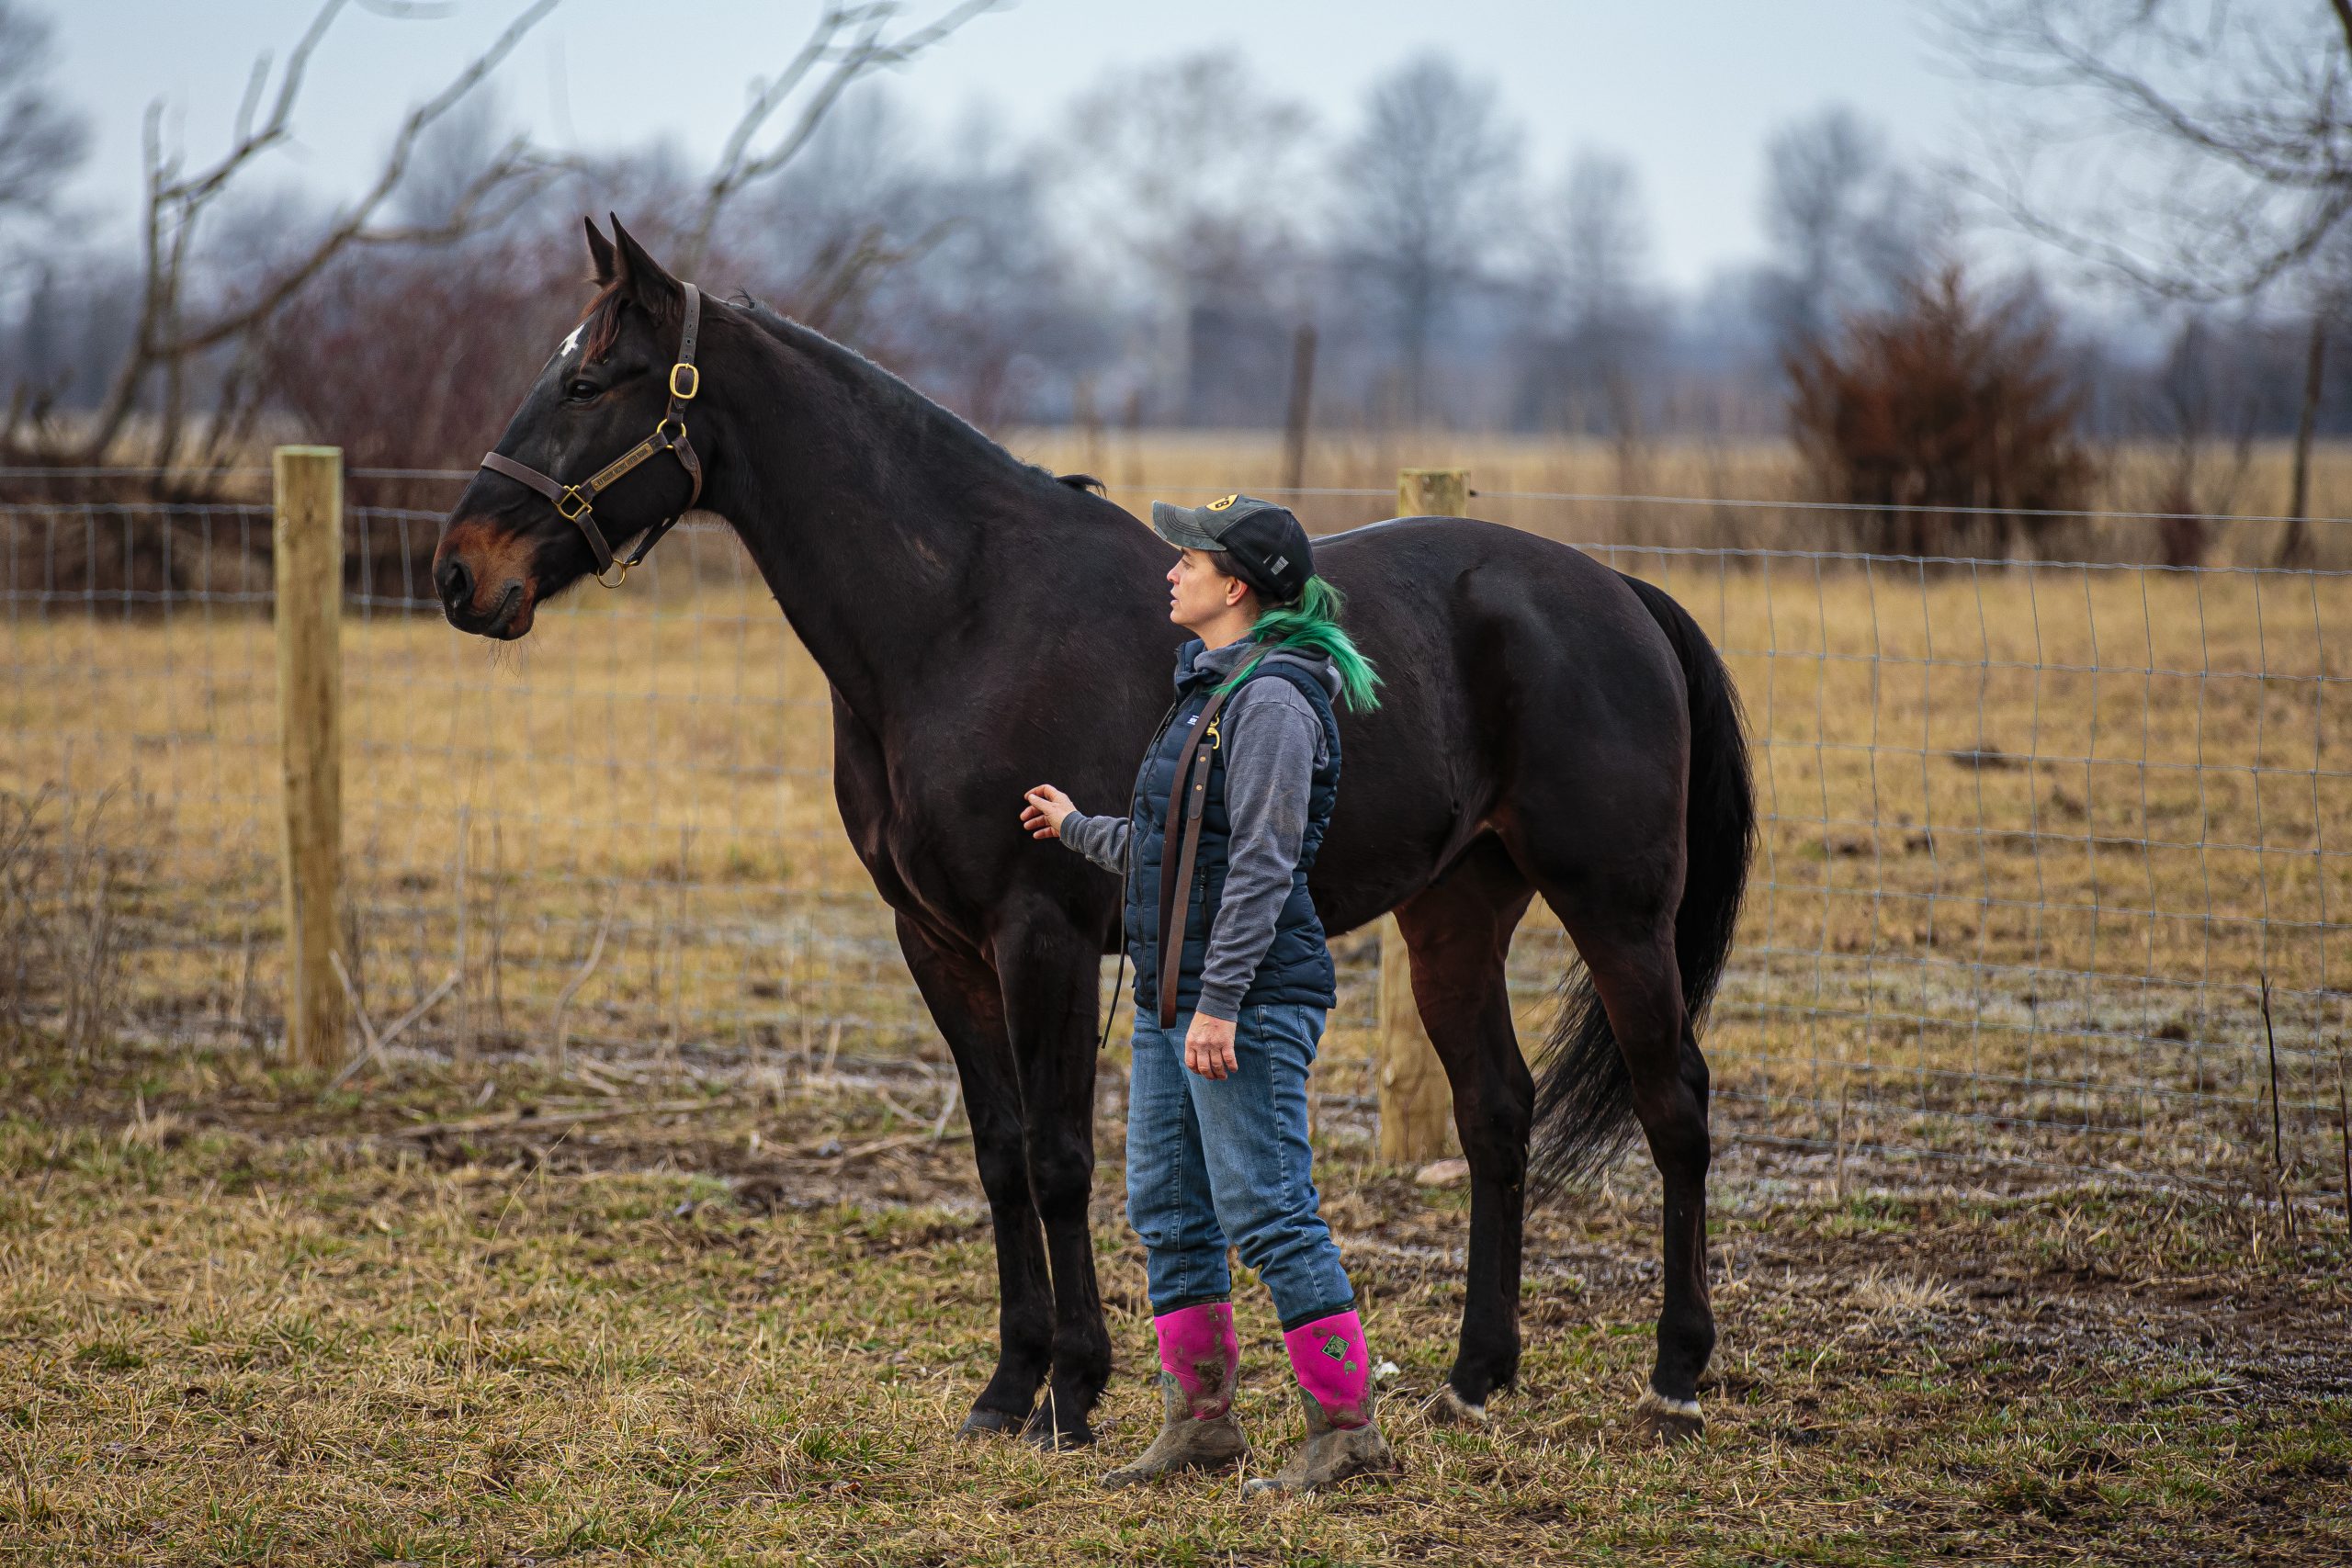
(1416, 1104)
(1433, 492)
(309, 554)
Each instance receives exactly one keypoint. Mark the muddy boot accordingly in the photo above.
(1331, 1453)
(1335, 1385)
(1186, 1441)
(1199, 1362)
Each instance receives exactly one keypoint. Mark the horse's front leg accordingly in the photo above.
(968, 1004)
(1051, 974)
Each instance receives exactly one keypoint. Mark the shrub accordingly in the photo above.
(1944, 400)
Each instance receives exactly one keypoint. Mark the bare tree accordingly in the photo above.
(1428, 191)
(1600, 298)
(1849, 228)
(1201, 203)
(848, 43)
(943, 267)
(1204, 198)
(2185, 404)
(41, 142)
(176, 329)
(2207, 148)
(450, 160)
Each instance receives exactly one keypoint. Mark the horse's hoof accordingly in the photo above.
(1667, 1420)
(1450, 1409)
(989, 1424)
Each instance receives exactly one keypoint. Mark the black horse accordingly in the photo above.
(1548, 726)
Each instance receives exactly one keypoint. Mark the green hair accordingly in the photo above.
(1311, 624)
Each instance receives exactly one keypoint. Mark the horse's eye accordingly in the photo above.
(580, 390)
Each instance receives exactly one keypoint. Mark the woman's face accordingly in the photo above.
(1198, 593)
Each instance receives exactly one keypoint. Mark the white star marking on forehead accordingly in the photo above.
(572, 342)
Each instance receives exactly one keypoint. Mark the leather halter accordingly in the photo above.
(576, 504)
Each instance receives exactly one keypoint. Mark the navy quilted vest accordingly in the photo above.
(1297, 964)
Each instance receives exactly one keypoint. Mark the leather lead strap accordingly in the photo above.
(1184, 805)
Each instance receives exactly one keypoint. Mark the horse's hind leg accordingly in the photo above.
(1458, 931)
(1641, 986)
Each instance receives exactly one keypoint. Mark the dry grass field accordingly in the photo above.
(608, 1316)
(1700, 492)
(2036, 835)
(658, 1236)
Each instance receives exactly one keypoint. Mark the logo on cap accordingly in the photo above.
(1221, 505)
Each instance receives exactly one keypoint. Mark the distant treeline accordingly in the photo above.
(1152, 262)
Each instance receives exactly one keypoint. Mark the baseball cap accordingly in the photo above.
(1266, 543)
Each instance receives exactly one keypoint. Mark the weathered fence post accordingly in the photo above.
(1416, 1105)
(1298, 420)
(1433, 492)
(308, 553)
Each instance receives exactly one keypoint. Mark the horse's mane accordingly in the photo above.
(896, 392)
(602, 320)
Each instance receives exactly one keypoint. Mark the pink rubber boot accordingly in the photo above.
(1200, 1360)
(1335, 1385)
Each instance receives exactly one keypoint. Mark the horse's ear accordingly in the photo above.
(640, 276)
(600, 252)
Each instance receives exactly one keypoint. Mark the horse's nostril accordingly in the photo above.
(456, 583)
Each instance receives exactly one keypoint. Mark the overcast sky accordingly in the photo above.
(1689, 92)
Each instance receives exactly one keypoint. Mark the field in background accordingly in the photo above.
(2037, 835)
(1712, 492)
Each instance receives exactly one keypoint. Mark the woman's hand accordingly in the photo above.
(1208, 1047)
(1043, 816)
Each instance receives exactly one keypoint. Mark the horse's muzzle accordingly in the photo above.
(483, 583)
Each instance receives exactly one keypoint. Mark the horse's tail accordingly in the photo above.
(1584, 1105)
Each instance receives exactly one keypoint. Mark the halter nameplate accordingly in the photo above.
(576, 504)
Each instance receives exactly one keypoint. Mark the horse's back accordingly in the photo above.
(1458, 599)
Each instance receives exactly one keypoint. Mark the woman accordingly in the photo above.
(1230, 1002)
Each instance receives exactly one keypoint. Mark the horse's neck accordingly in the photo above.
(868, 536)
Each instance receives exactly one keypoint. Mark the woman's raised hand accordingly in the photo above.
(1044, 813)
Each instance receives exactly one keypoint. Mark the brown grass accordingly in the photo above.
(1718, 491)
(2035, 835)
(238, 1325)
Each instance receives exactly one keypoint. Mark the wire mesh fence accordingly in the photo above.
(2052, 868)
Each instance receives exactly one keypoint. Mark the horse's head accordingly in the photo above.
(610, 384)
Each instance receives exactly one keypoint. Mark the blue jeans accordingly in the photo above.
(1217, 1160)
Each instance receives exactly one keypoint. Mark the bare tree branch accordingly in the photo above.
(176, 203)
(2229, 123)
(852, 42)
